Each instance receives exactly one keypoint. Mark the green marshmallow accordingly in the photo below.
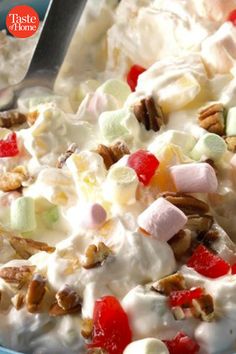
(210, 146)
(111, 124)
(23, 214)
(50, 216)
(117, 88)
(231, 122)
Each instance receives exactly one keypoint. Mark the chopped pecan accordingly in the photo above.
(25, 248)
(9, 119)
(231, 143)
(180, 243)
(56, 310)
(17, 276)
(200, 224)
(18, 300)
(87, 328)
(212, 119)
(203, 308)
(67, 298)
(32, 117)
(112, 154)
(187, 203)
(35, 293)
(209, 237)
(170, 283)
(10, 181)
(96, 255)
(149, 114)
(62, 159)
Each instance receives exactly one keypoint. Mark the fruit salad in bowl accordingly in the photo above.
(118, 191)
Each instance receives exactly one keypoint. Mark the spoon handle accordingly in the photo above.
(60, 23)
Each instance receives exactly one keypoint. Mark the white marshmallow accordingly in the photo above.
(162, 219)
(231, 122)
(121, 185)
(146, 346)
(219, 49)
(194, 178)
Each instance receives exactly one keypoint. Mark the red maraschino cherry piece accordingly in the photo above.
(133, 74)
(145, 164)
(8, 146)
(232, 17)
(184, 297)
(233, 268)
(111, 330)
(182, 344)
(207, 263)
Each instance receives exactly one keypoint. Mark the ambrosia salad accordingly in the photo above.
(118, 191)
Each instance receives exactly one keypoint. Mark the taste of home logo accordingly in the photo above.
(22, 21)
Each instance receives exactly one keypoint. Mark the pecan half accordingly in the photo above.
(170, 283)
(149, 114)
(62, 159)
(25, 247)
(10, 181)
(87, 328)
(203, 308)
(208, 238)
(56, 310)
(17, 276)
(67, 298)
(112, 154)
(96, 255)
(180, 243)
(67, 302)
(200, 224)
(212, 119)
(9, 119)
(187, 203)
(231, 143)
(18, 301)
(35, 293)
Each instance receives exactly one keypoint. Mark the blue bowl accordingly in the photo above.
(5, 5)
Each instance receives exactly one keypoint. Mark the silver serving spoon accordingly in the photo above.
(60, 23)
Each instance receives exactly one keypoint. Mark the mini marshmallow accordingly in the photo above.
(121, 185)
(162, 219)
(146, 346)
(209, 146)
(93, 216)
(118, 124)
(23, 214)
(50, 216)
(231, 122)
(117, 88)
(194, 178)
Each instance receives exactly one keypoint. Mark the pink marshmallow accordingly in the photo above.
(233, 161)
(93, 216)
(162, 219)
(194, 178)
